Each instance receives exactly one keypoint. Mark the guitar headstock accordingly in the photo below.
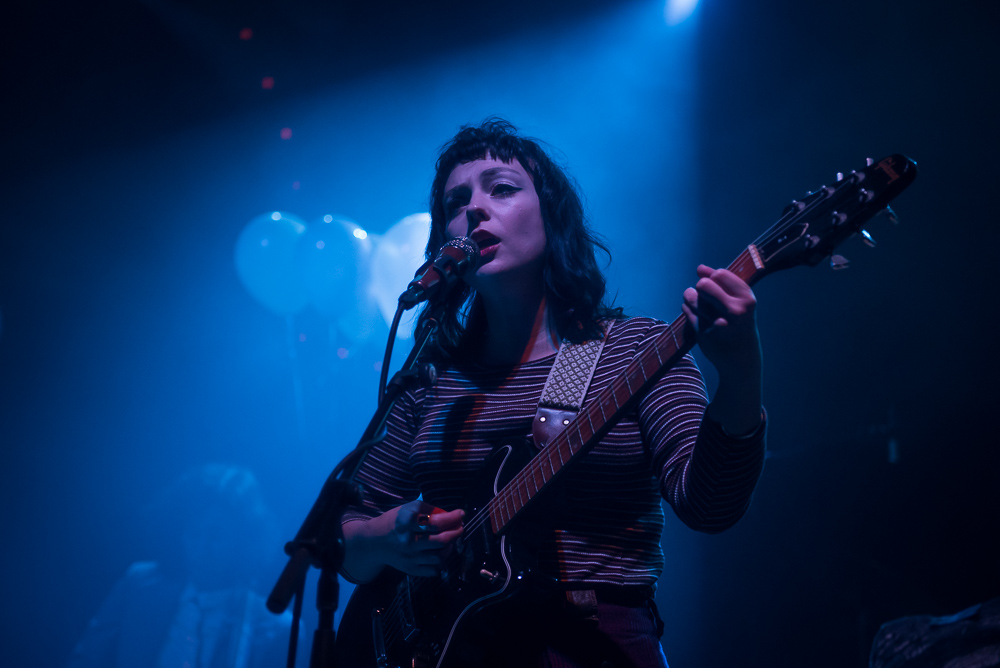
(812, 228)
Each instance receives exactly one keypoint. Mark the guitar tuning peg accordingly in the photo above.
(838, 262)
(840, 176)
(869, 162)
(890, 214)
(867, 238)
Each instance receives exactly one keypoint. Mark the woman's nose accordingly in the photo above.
(476, 212)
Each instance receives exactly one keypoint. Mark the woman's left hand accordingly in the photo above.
(722, 310)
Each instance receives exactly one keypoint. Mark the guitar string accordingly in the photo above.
(393, 629)
(507, 494)
(620, 382)
(839, 193)
(782, 225)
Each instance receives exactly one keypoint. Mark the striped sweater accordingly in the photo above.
(606, 521)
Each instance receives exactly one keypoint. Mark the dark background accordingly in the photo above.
(129, 351)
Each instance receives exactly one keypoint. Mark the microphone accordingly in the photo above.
(435, 279)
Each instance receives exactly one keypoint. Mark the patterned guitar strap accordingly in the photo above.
(562, 398)
(566, 387)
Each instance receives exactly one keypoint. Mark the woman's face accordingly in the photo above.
(496, 205)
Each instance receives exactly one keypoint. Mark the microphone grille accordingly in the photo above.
(467, 246)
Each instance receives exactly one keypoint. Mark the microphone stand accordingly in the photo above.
(319, 542)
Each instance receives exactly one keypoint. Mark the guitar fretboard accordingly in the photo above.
(601, 414)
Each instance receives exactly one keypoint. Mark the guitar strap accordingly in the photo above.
(566, 387)
(562, 397)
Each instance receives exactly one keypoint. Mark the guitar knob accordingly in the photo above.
(840, 176)
(865, 195)
(867, 238)
(890, 214)
(869, 162)
(838, 262)
(794, 207)
(838, 218)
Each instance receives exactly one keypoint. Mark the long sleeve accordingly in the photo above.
(385, 476)
(707, 476)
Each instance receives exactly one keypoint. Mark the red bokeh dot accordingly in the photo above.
(246, 33)
(286, 133)
(267, 83)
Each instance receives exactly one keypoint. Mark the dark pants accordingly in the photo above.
(550, 633)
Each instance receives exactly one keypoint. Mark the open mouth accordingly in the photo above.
(487, 243)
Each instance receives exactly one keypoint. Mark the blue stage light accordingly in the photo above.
(677, 11)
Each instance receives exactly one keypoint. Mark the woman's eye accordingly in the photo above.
(504, 189)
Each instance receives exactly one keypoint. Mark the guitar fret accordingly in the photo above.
(648, 366)
(642, 367)
(522, 497)
(654, 365)
(505, 501)
(531, 470)
(619, 402)
(669, 344)
(541, 471)
(673, 333)
(580, 426)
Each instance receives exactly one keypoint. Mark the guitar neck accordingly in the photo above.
(601, 414)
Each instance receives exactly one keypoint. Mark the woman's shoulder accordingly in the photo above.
(632, 328)
(636, 332)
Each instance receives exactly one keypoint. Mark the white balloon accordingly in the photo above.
(398, 254)
(333, 257)
(265, 261)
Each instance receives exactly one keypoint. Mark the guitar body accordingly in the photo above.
(418, 621)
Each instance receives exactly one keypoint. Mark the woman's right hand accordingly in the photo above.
(412, 538)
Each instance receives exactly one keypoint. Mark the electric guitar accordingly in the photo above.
(399, 620)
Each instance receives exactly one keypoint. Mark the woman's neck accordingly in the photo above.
(517, 330)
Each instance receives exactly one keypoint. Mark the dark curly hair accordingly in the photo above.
(573, 282)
